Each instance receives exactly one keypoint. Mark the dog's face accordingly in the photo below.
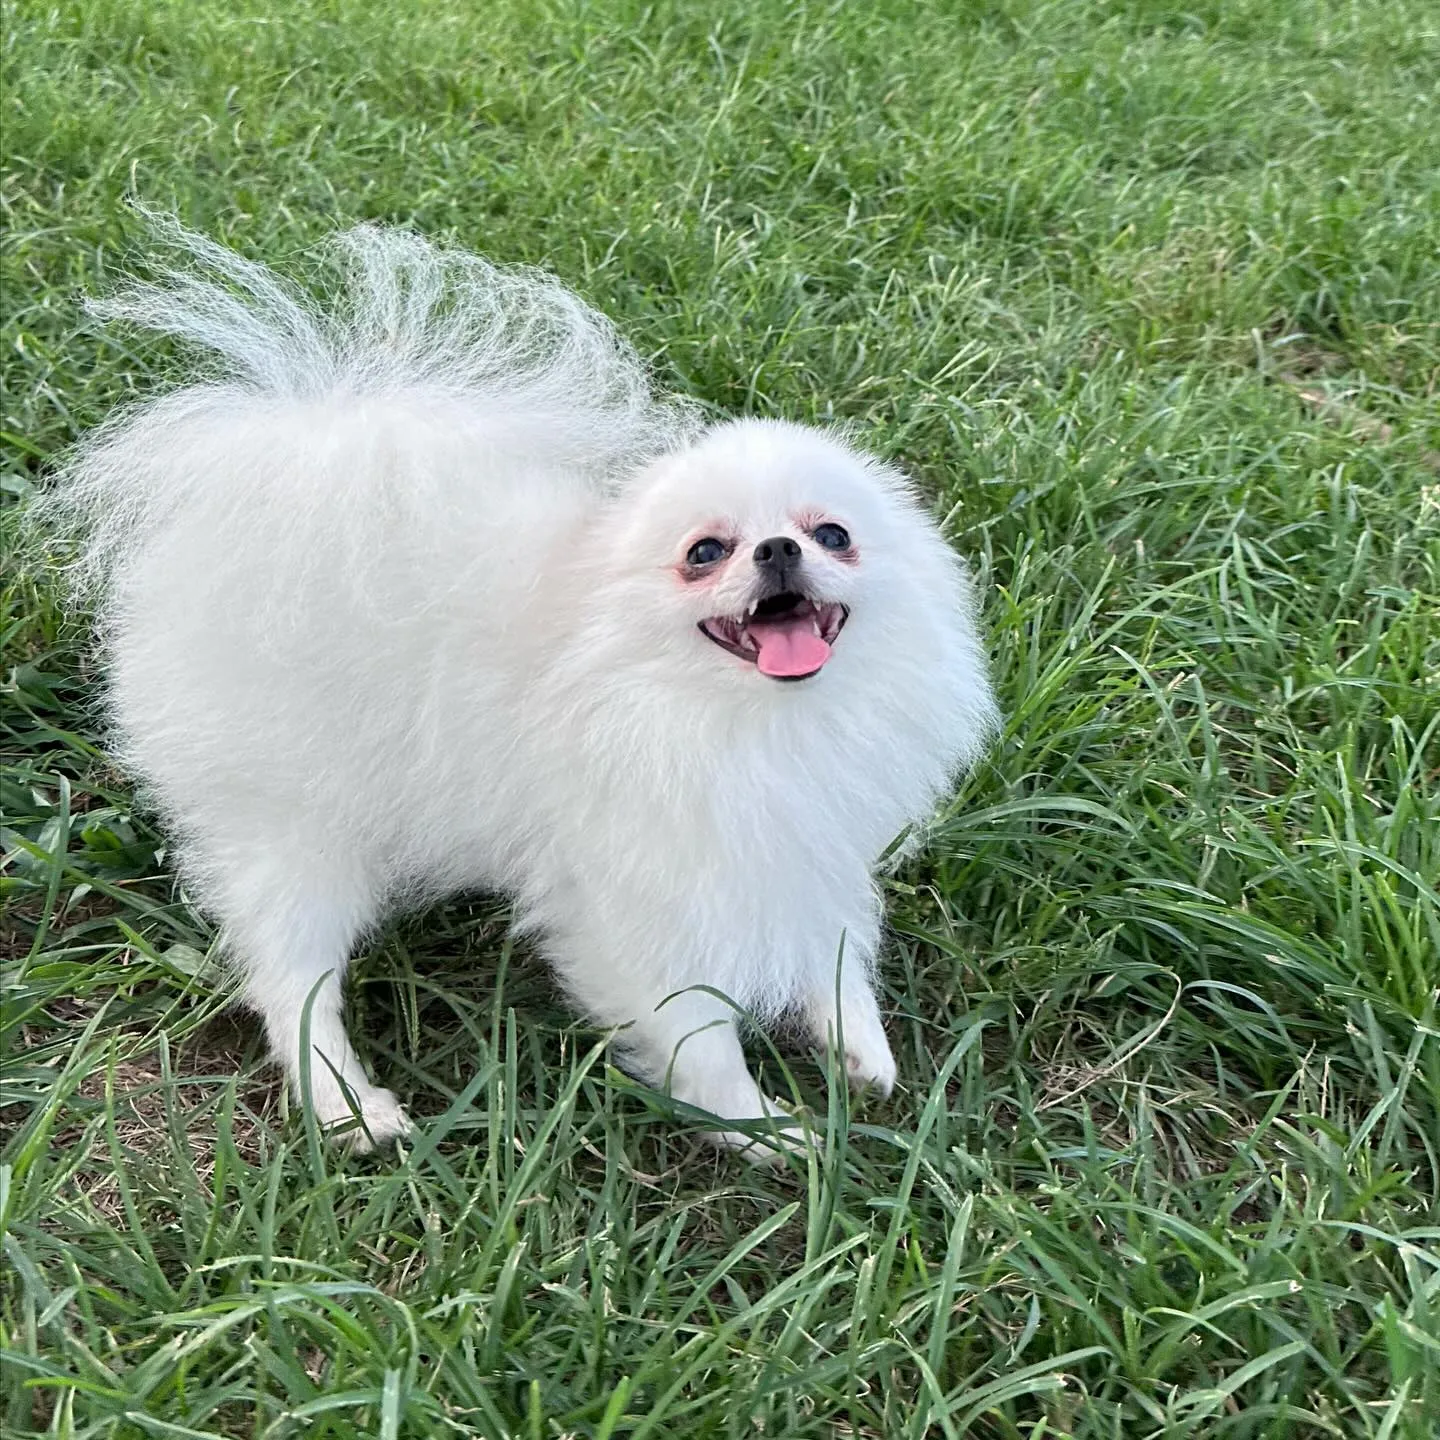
(766, 551)
(772, 609)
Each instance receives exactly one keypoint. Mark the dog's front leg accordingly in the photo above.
(844, 1013)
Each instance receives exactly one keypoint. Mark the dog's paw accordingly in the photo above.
(786, 1136)
(382, 1120)
(869, 1064)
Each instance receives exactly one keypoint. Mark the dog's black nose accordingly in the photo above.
(779, 552)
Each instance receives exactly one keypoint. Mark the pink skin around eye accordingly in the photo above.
(706, 575)
(810, 521)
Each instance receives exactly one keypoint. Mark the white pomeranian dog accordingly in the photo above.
(426, 590)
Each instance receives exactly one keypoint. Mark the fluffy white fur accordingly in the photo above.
(395, 604)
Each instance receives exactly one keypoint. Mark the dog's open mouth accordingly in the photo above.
(786, 636)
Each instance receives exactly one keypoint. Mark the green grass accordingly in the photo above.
(1147, 295)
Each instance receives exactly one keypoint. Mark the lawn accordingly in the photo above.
(1147, 297)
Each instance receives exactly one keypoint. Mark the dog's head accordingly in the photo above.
(772, 553)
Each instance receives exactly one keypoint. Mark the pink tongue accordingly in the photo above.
(788, 647)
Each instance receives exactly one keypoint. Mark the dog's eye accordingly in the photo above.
(832, 537)
(707, 551)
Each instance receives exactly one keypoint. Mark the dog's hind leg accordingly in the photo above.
(290, 931)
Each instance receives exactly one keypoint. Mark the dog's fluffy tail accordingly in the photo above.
(428, 369)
